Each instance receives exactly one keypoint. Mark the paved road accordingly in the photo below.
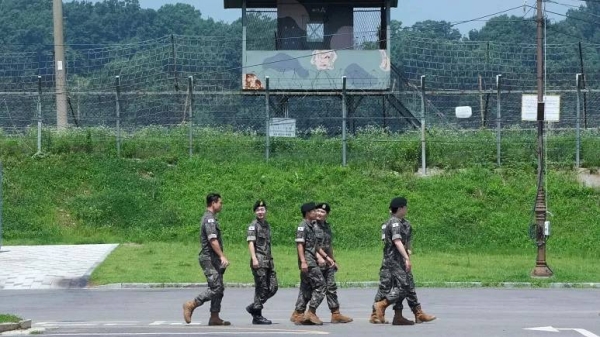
(471, 312)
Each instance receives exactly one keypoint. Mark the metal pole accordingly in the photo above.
(423, 149)
(578, 121)
(60, 65)
(268, 117)
(118, 106)
(498, 122)
(1, 205)
(541, 267)
(39, 116)
(191, 95)
(344, 120)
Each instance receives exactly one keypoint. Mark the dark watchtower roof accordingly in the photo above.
(273, 3)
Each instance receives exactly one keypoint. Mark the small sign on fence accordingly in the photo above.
(529, 107)
(463, 112)
(282, 127)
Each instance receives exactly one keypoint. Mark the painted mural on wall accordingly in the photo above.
(317, 69)
(314, 49)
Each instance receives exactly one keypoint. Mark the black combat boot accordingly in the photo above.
(260, 320)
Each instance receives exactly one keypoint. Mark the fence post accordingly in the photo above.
(191, 111)
(39, 117)
(344, 120)
(498, 122)
(268, 117)
(578, 122)
(118, 107)
(423, 149)
(1, 180)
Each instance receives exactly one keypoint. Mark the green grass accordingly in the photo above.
(152, 198)
(177, 263)
(8, 318)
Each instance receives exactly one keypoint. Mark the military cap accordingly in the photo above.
(307, 207)
(259, 203)
(398, 202)
(324, 206)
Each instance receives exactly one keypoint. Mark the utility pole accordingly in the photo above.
(60, 65)
(541, 268)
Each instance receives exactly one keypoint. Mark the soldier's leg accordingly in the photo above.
(318, 286)
(411, 294)
(215, 283)
(413, 302)
(304, 293)
(332, 297)
(385, 286)
(218, 288)
(273, 283)
(330, 288)
(260, 288)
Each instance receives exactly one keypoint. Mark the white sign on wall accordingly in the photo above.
(282, 127)
(551, 110)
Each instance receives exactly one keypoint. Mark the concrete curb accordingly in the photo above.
(371, 284)
(22, 325)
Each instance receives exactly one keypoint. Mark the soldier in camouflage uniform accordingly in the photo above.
(396, 234)
(325, 236)
(213, 263)
(261, 263)
(311, 277)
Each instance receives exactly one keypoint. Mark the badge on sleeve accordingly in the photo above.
(300, 229)
(383, 227)
(251, 228)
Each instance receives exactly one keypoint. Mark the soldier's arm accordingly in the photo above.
(253, 254)
(303, 264)
(251, 237)
(214, 244)
(402, 251)
(326, 256)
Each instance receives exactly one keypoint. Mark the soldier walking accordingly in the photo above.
(261, 263)
(325, 236)
(213, 263)
(312, 282)
(396, 234)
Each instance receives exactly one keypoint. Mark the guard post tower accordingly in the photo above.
(306, 47)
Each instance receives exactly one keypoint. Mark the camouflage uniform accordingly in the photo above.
(211, 263)
(324, 237)
(394, 267)
(265, 277)
(312, 283)
(386, 280)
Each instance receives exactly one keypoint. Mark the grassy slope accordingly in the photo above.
(79, 198)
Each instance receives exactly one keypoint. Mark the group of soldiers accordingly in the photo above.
(316, 263)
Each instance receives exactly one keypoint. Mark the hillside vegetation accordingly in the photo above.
(79, 191)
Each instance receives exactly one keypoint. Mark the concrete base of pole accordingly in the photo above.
(542, 271)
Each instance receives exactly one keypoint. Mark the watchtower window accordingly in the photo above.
(315, 32)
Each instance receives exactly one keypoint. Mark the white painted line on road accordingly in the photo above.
(582, 332)
(265, 332)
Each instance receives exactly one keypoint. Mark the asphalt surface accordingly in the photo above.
(47, 284)
(472, 312)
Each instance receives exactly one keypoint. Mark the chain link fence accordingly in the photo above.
(180, 95)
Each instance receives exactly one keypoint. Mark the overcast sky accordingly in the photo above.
(410, 11)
